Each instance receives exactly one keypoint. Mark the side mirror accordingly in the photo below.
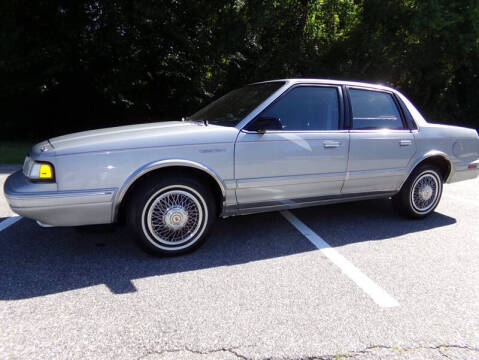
(261, 124)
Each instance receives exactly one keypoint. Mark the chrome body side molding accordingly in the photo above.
(322, 200)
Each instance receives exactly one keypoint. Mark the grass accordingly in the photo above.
(13, 152)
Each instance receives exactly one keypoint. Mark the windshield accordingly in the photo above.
(231, 108)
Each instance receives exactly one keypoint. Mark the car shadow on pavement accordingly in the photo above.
(37, 261)
(371, 220)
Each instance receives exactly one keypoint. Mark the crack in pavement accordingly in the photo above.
(198, 352)
(356, 354)
(371, 349)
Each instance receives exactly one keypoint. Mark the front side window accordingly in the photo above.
(374, 110)
(231, 108)
(307, 108)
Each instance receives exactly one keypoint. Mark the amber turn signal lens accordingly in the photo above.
(46, 171)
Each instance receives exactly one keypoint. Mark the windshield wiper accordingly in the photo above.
(187, 118)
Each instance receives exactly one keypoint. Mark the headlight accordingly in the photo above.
(38, 170)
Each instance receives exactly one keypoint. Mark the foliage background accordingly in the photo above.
(68, 65)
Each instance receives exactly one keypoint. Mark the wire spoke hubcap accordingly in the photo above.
(425, 192)
(174, 217)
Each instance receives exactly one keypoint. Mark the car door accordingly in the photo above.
(381, 144)
(302, 158)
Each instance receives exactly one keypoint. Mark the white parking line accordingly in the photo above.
(9, 221)
(380, 297)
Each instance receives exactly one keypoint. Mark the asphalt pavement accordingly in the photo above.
(262, 287)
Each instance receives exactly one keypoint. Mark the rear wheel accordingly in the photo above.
(421, 192)
(172, 216)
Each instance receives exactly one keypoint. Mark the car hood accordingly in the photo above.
(170, 133)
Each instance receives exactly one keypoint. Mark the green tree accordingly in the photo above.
(70, 65)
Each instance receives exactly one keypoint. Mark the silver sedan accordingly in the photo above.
(267, 146)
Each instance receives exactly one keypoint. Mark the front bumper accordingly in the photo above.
(51, 207)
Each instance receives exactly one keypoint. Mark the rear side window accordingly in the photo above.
(307, 108)
(374, 110)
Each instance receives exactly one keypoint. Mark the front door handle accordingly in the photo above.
(331, 144)
(405, 142)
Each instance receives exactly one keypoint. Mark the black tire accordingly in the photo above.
(163, 208)
(413, 200)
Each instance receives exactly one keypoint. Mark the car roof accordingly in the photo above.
(329, 81)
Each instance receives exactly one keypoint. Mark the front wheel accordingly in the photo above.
(421, 192)
(172, 216)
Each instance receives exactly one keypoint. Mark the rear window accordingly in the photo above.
(374, 110)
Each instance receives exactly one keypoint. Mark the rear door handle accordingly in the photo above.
(331, 144)
(405, 142)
